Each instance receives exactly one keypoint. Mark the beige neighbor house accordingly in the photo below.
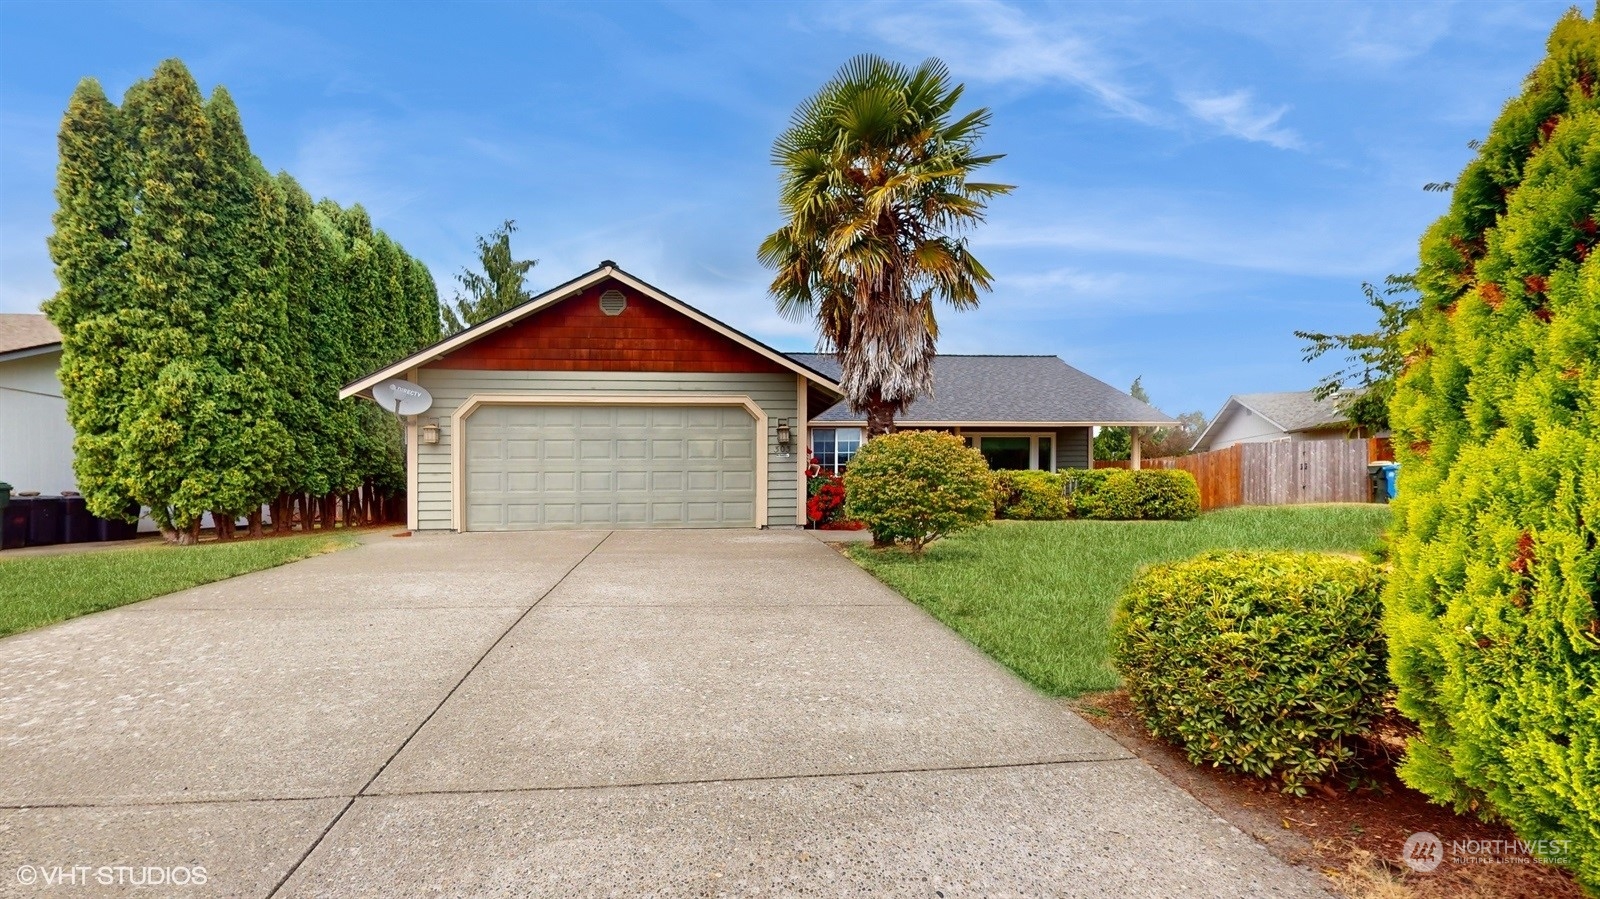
(1258, 417)
(606, 402)
(35, 438)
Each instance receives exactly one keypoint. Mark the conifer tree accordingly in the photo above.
(211, 312)
(1491, 609)
(499, 286)
(87, 247)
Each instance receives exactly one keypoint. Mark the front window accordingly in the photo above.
(835, 447)
(1016, 452)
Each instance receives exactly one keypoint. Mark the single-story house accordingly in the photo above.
(35, 437)
(1257, 417)
(606, 402)
(1021, 412)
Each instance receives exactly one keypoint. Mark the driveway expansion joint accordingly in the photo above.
(759, 778)
(429, 717)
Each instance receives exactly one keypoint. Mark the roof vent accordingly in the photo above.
(612, 302)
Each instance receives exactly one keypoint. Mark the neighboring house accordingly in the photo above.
(606, 402)
(1021, 412)
(35, 438)
(1256, 417)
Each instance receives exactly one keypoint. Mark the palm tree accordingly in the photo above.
(875, 191)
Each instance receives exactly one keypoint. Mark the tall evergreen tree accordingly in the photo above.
(501, 285)
(174, 291)
(1490, 610)
(210, 313)
(88, 246)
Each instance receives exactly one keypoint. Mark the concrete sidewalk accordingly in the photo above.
(695, 713)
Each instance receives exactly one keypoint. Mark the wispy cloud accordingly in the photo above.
(1239, 114)
(991, 41)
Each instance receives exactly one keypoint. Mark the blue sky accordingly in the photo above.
(1194, 182)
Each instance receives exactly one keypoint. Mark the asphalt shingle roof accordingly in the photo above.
(24, 331)
(1293, 411)
(1021, 389)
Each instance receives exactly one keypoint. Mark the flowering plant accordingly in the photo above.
(824, 494)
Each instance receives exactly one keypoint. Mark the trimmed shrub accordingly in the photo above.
(1154, 494)
(918, 486)
(1492, 610)
(1266, 663)
(1030, 496)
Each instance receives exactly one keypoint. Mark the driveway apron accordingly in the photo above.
(664, 713)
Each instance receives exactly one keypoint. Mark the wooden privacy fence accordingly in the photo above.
(1274, 473)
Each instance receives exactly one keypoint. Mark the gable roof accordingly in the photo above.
(26, 334)
(606, 270)
(1288, 411)
(1003, 390)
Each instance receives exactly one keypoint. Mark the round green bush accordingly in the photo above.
(918, 486)
(1266, 663)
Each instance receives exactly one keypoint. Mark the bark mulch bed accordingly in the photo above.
(1355, 838)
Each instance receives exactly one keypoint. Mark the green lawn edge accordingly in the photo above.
(1038, 596)
(41, 590)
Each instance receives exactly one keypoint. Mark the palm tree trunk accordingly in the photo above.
(880, 416)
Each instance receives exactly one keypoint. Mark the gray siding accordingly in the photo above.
(1074, 448)
(774, 393)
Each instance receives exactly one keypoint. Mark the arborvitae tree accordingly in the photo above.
(1491, 612)
(211, 313)
(90, 239)
(174, 291)
(500, 286)
(423, 296)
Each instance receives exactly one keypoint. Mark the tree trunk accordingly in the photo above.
(190, 535)
(223, 525)
(880, 416)
(350, 519)
(256, 530)
(330, 511)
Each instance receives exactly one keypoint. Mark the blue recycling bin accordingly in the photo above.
(1391, 474)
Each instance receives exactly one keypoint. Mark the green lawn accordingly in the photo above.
(40, 590)
(1038, 596)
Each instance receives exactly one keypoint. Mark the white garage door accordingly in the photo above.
(610, 466)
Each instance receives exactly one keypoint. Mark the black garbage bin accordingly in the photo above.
(77, 525)
(105, 529)
(44, 525)
(14, 522)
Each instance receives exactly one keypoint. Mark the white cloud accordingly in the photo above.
(1238, 114)
(990, 41)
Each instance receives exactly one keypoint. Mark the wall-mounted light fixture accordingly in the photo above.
(430, 431)
(785, 437)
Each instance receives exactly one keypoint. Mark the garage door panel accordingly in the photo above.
(610, 466)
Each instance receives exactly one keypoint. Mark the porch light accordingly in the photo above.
(785, 436)
(430, 432)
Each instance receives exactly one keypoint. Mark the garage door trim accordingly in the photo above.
(458, 424)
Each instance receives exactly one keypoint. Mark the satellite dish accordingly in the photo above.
(402, 397)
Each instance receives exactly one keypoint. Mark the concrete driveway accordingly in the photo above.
(664, 713)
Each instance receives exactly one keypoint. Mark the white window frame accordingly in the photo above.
(835, 468)
(1033, 445)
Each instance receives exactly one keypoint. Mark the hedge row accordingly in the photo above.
(1109, 494)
